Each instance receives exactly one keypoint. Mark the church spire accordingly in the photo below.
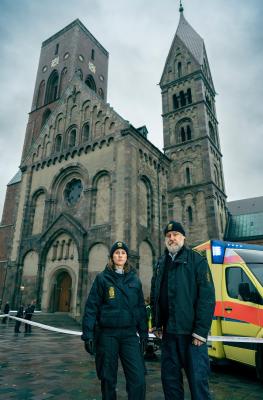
(181, 9)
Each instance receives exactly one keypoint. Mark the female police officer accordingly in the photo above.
(115, 310)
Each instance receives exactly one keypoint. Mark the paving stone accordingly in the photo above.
(47, 366)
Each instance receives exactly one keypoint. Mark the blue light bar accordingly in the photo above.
(219, 247)
(218, 251)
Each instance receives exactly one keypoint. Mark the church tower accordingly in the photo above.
(190, 128)
(72, 50)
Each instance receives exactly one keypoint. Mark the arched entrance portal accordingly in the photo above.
(61, 293)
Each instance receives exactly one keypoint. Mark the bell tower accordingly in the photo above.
(72, 50)
(190, 129)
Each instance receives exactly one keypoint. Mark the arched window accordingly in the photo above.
(164, 211)
(38, 213)
(58, 142)
(188, 175)
(101, 93)
(40, 95)
(189, 96)
(97, 129)
(212, 132)
(45, 116)
(112, 126)
(85, 132)
(179, 69)
(188, 132)
(189, 215)
(79, 73)
(47, 149)
(72, 138)
(183, 136)
(52, 87)
(184, 130)
(145, 203)
(182, 98)
(63, 79)
(91, 83)
(87, 112)
(208, 101)
(102, 201)
(217, 180)
(175, 102)
(60, 124)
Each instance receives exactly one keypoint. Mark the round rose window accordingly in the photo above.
(73, 191)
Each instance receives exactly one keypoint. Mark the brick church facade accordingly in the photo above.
(88, 177)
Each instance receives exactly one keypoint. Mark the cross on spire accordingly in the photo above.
(181, 9)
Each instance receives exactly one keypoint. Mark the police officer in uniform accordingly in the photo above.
(19, 314)
(114, 313)
(29, 311)
(183, 301)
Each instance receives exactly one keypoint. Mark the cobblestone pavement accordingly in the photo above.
(45, 365)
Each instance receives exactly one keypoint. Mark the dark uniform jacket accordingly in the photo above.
(29, 311)
(115, 302)
(191, 294)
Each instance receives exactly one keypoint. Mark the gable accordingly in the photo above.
(178, 53)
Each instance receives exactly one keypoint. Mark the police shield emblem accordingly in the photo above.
(111, 292)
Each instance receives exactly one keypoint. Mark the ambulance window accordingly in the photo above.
(236, 276)
(257, 270)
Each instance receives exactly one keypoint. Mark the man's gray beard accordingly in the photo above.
(174, 248)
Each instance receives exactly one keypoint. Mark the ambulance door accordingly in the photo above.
(240, 314)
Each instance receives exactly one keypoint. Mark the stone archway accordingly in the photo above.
(60, 296)
(61, 275)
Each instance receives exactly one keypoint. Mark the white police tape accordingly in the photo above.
(236, 339)
(43, 326)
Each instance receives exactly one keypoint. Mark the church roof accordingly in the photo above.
(246, 206)
(245, 227)
(191, 39)
(81, 26)
(246, 219)
(194, 43)
(16, 178)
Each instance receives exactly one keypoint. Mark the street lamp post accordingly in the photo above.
(22, 288)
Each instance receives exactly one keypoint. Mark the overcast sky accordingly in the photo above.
(138, 35)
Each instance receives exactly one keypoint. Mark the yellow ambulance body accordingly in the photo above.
(237, 270)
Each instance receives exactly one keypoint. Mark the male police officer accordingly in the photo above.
(183, 300)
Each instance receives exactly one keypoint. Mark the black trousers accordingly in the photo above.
(178, 352)
(17, 326)
(28, 328)
(125, 346)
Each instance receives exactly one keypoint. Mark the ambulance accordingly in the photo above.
(237, 270)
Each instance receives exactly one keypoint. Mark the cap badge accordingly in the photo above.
(119, 244)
